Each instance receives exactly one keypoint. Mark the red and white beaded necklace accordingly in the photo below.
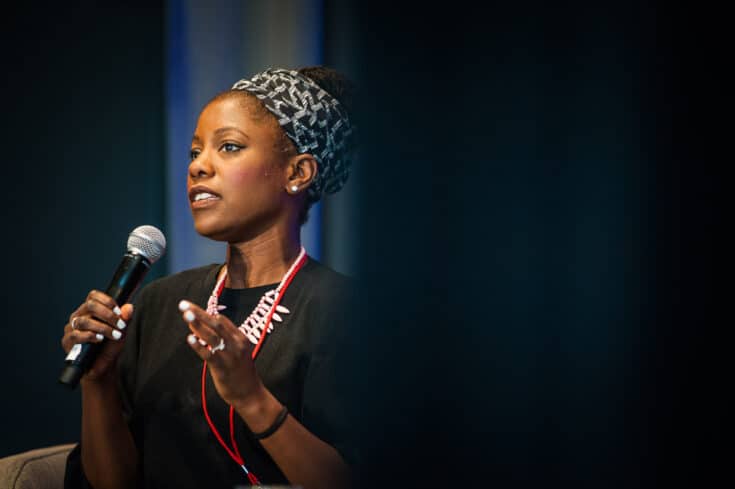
(268, 307)
(256, 327)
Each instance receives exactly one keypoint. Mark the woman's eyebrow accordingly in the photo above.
(221, 130)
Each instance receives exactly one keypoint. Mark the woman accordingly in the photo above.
(228, 372)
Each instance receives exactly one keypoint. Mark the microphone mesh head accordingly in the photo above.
(147, 241)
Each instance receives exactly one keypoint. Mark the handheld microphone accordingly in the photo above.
(146, 244)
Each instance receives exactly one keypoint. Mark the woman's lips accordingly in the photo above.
(202, 197)
(202, 200)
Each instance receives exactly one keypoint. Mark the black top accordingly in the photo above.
(161, 378)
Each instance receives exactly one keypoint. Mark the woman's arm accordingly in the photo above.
(304, 459)
(109, 456)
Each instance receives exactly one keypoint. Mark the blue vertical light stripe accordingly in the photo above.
(178, 112)
(311, 233)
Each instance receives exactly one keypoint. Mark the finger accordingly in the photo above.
(98, 297)
(202, 351)
(233, 337)
(78, 312)
(102, 312)
(104, 299)
(200, 322)
(72, 337)
(221, 325)
(88, 323)
(126, 312)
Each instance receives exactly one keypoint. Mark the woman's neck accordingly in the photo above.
(261, 261)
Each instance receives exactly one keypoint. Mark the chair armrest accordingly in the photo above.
(42, 468)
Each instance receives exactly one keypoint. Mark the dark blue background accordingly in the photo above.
(83, 149)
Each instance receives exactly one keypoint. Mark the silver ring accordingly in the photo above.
(219, 347)
(73, 326)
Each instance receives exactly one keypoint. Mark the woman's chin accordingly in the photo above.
(210, 231)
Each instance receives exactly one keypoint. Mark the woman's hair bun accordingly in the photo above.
(333, 82)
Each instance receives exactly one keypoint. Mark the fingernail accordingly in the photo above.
(117, 310)
(189, 316)
(191, 339)
(116, 334)
(202, 342)
(99, 337)
(121, 324)
(184, 306)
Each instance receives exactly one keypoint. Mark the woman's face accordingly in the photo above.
(237, 179)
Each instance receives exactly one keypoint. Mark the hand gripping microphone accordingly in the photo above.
(146, 244)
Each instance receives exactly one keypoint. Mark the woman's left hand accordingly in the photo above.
(227, 352)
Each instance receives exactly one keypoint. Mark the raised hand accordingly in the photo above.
(228, 353)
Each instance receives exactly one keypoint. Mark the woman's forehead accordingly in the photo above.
(232, 112)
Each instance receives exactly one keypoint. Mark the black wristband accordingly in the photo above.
(274, 427)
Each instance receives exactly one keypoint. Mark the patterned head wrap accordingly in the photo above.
(314, 120)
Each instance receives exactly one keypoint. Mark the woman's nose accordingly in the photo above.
(201, 166)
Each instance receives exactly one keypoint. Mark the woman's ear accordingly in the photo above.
(302, 169)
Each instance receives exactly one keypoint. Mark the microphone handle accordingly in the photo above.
(128, 276)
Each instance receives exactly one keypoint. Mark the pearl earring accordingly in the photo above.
(294, 188)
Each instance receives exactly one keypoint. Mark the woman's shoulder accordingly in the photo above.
(326, 291)
(329, 303)
(321, 279)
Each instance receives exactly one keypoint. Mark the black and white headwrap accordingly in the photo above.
(315, 121)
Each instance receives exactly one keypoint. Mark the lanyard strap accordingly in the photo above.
(234, 452)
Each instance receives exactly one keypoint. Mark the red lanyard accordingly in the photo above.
(234, 452)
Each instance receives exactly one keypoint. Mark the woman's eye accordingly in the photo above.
(230, 147)
(193, 154)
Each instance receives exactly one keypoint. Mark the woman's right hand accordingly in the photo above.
(98, 318)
